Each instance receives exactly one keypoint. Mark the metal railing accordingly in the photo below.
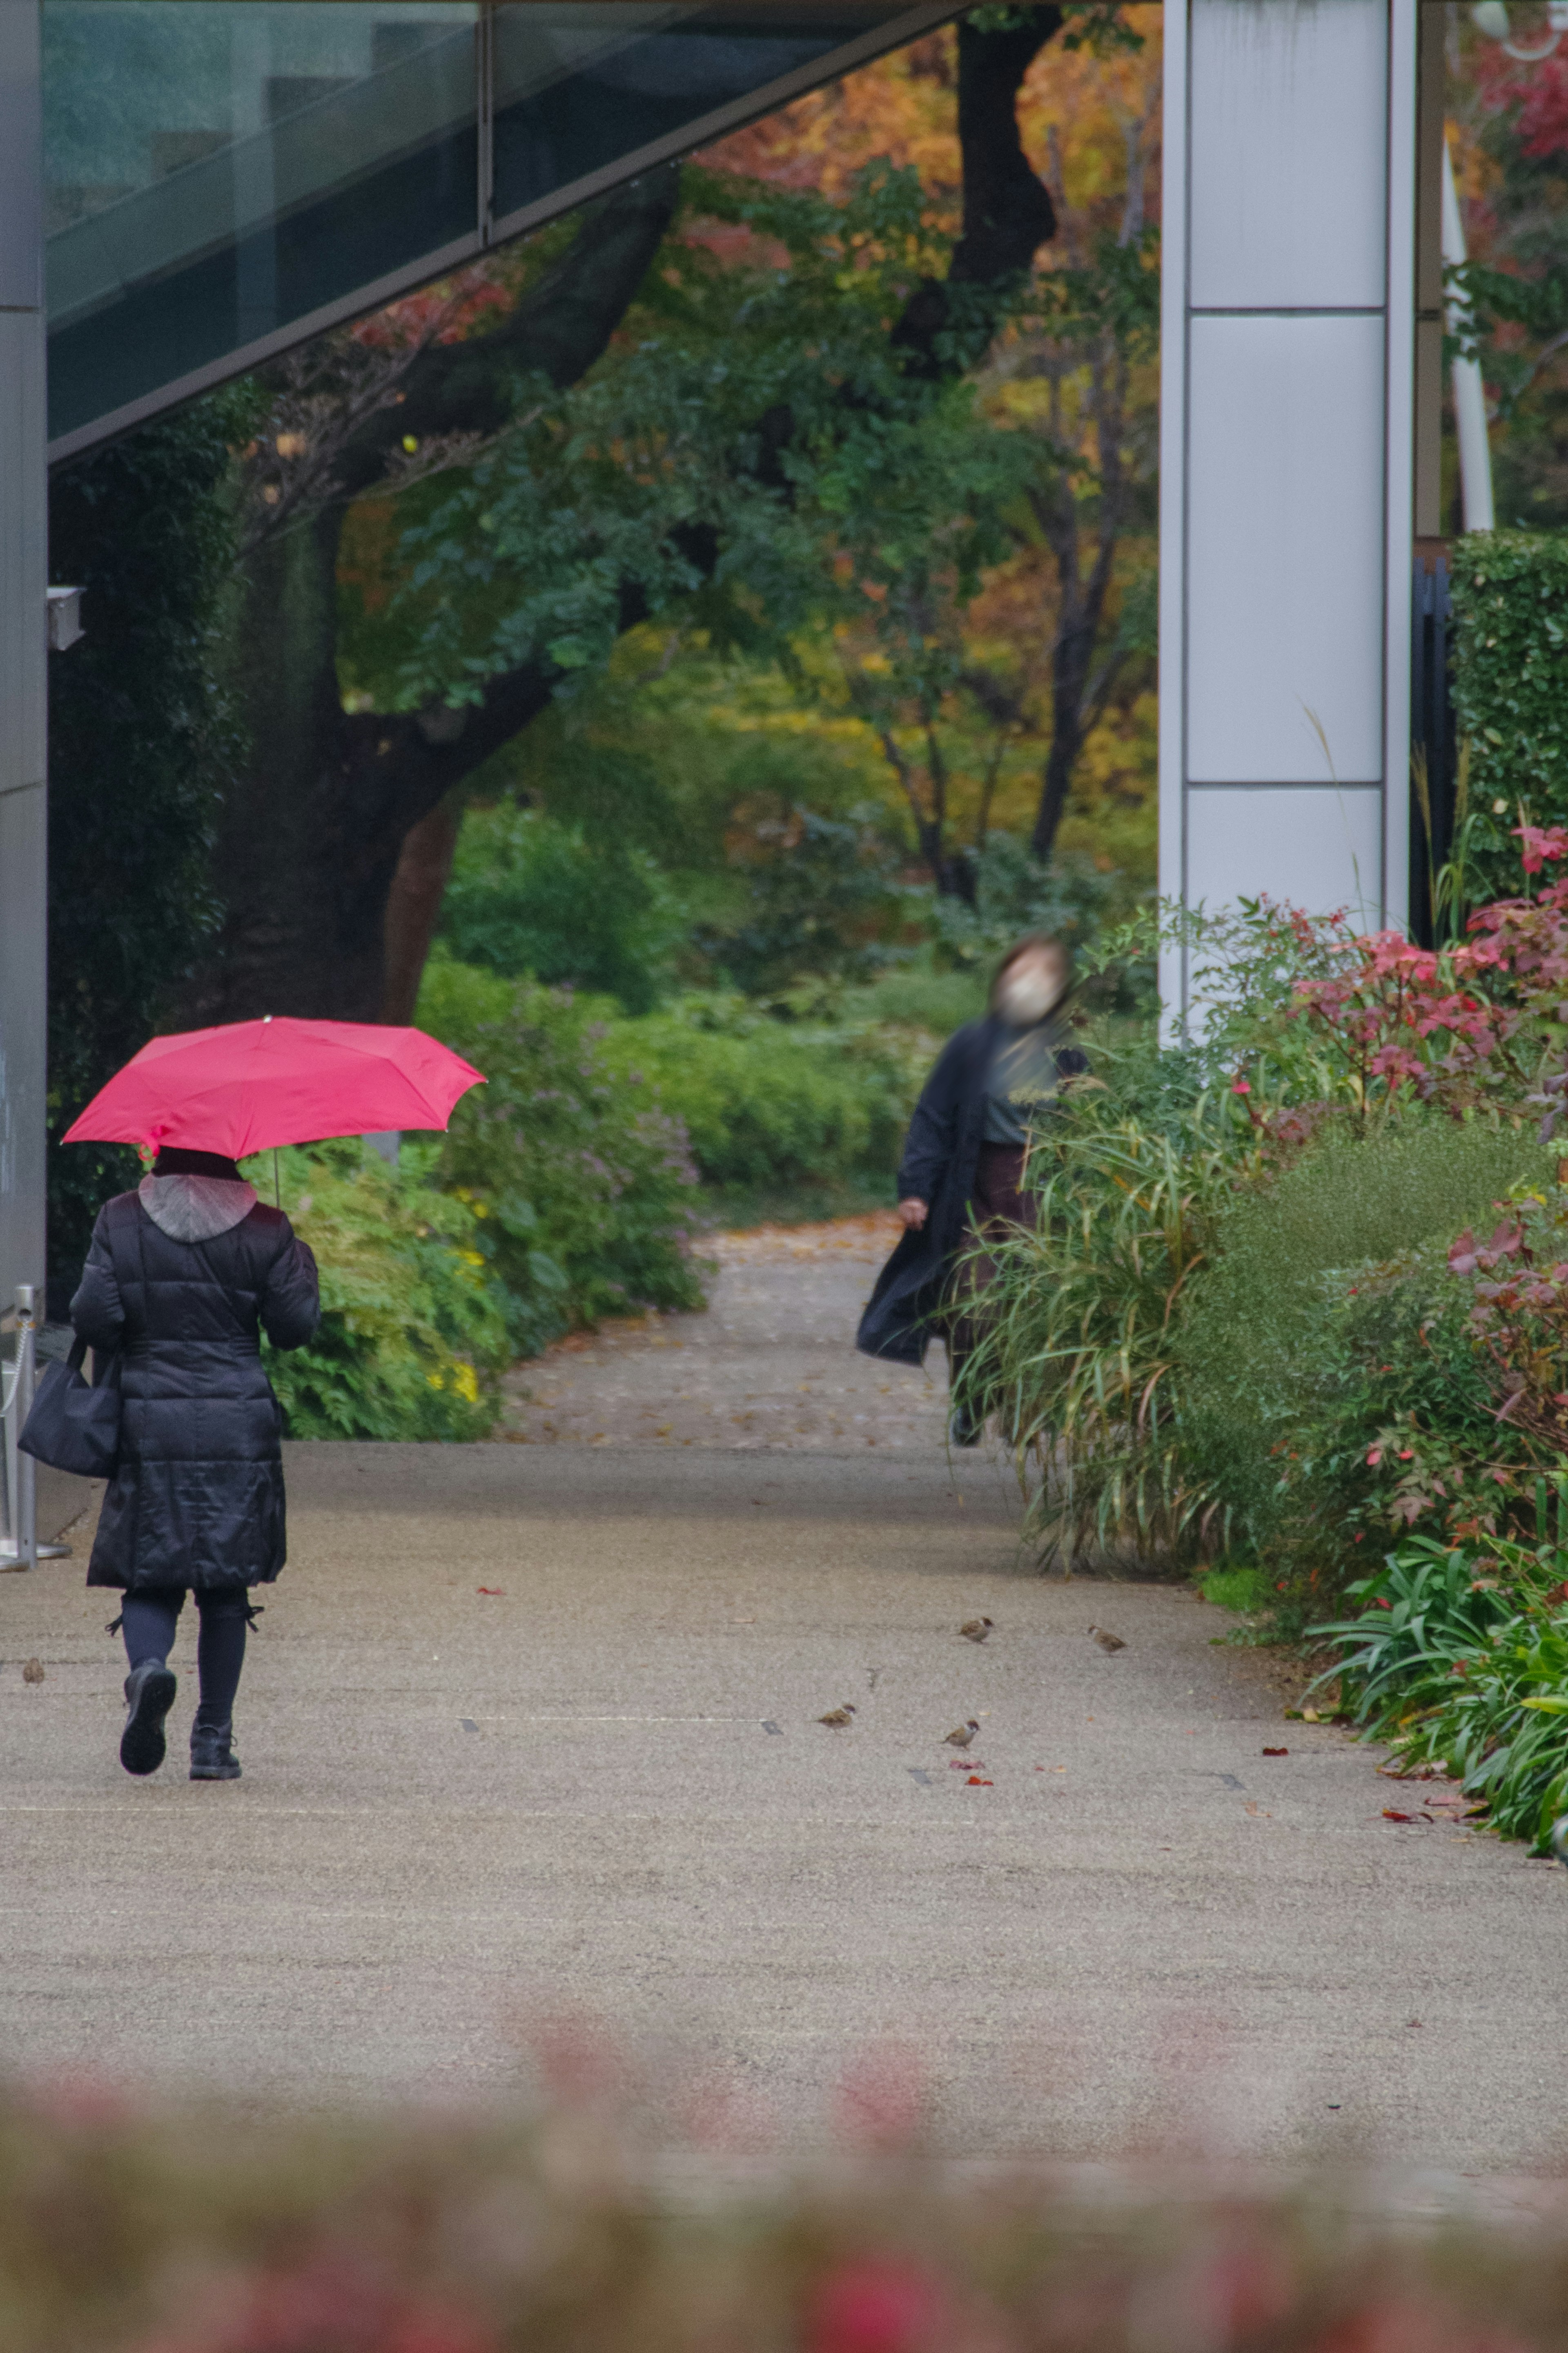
(19, 1546)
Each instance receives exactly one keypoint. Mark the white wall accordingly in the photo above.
(23, 657)
(1285, 462)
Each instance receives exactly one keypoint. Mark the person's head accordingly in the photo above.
(1031, 979)
(174, 1160)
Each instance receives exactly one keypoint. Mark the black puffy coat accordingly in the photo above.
(941, 1153)
(196, 1498)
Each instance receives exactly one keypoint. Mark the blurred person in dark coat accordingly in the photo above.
(962, 1176)
(182, 1278)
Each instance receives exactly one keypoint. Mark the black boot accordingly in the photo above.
(211, 1751)
(149, 1695)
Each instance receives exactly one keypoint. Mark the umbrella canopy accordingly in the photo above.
(251, 1085)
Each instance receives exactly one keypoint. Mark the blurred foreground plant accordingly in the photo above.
(195, 2232)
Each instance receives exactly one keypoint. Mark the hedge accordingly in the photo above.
(1511, 680)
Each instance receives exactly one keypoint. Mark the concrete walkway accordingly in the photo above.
(529, 1732)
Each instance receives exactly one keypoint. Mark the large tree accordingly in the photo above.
(338, 806)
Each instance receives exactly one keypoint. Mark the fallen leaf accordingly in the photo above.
(489, 1588)
(1311, 1715)
(1277, 1752)
(975, 1782)
(1391, 1814)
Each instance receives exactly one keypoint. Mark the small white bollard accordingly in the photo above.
(19, 1546)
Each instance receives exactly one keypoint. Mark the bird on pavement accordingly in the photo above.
(839, 1719)
(974, 1630)
(33, 1672)
(964, 1736)
(1106, 1642)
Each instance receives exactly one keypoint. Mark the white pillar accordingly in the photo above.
(23, 579)
(1286, 459)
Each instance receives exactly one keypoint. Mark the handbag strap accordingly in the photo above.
(78, 1356)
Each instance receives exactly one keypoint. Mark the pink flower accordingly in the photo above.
(1241, 1087)
(874, 2305)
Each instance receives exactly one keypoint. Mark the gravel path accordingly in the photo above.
(771, 1364)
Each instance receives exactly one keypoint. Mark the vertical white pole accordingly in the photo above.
(24, 573)
(1469, 391)
(1287, 457)
(1174, 979)
(1403, 93)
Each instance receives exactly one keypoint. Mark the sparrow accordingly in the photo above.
(839, 1719)
(964, 1736)
(974, 1630)
(33, 1672)
(1106, 1642)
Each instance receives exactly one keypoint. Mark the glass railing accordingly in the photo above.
(224, 177)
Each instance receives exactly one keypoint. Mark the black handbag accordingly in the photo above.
(74, 1425)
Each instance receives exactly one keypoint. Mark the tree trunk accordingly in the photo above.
(413, 903)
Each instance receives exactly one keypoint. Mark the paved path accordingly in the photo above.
(529, 1732)
(765, 1366)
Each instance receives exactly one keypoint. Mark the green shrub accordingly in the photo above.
(1280, 1394)
(1510, 671)
(580, 1183)
(412, 1335)
(1459, 1657)
(771, 1103)
(819, 897)
(532, 899)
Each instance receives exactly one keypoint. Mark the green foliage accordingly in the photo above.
(1070, 900)
(623, 487)
(530, 898)
(1078, 1353)
(1459, 1657)
(820, 897)
(412, 1337)
(142, 741)
(579, 1180)
(771, 1103)
(1510, 603)
(1238, 1588)
(1275, 1378)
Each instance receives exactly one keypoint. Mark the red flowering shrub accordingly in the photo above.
(1472, 1026)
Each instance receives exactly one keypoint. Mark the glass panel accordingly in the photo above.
(214, 171)
(578, 86)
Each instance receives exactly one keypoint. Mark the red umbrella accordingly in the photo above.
(252, 1085)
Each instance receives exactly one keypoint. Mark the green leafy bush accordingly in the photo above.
(579, 1180)
(1266, 1362)
(1510, 657)
(532, 899)
(820, 898)
(768, 1102)
(1459, 1657)
(412, 1335)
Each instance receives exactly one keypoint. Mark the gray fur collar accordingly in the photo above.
(196, 1209)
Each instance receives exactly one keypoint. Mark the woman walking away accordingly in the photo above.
(181, 1277)
(962, 1171)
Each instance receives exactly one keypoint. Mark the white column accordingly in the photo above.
(23, 578)
(1287, 404)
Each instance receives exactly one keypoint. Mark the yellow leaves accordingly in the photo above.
(291, 445)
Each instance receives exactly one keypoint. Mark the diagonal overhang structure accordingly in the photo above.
(224, 179)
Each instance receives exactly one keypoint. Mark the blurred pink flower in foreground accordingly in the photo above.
(875, 2305)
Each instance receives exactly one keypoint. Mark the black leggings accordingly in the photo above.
(148, 1624)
